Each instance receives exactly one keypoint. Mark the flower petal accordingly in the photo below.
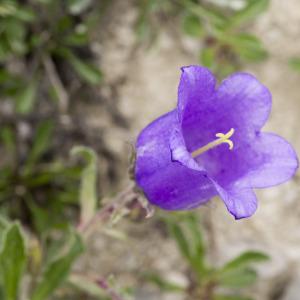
(245, 99)
(177, 188)
(165, 182)
(152, 146)
(241, 102)
(241, 203)
(264, 161)
(273, 162)
(197, 84)
(180, 153)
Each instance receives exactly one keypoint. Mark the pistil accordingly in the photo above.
(222, 138)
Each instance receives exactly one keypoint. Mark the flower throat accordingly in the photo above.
(222, 139)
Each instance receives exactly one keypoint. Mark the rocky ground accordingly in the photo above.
(146, 86)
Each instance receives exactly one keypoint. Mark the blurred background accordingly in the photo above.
(78, 80)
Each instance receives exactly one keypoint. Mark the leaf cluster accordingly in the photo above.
(223, 32)
(207, 281)
(42, 44)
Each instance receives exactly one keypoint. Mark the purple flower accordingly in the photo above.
(211, 144)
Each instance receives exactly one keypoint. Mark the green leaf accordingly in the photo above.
(245, 259)
(192, 26)
(12, 261)
(24, 14)
(86, 285)
(41, 142)
(197, 246)
(76, 39)
(295, 63)
(237, 273)
(7, 9)
(76, 7)
(8, 138)
(180, 239)
(185, 229)
(58, 270)
(249, 47)
(4, 223)
(204, 13)
(252, 10)
(237, 278)
(207, 57)
(87, 72)
(25, 100)
(164, 285)
(88, 193)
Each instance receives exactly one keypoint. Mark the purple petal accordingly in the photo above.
(241, 203)
(197, 84)
(274, 161)
(245, 99)
(241, 102)
(168, 183)
(263, 161)
(180, 153)
(152, 147)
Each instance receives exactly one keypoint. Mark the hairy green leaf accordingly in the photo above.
(207, 57)
(12, 261)
(58, 270)
(25, 99)
(252, 10)
(197, 245)
(162, 283)
(249, 47)
(76, 7)
(86, 71)
(180, 239)
(88, 193)
(204, 13)
(4, 223)
(192, 26)
(9, 140)
(86, 285)
(245, 259)
(237, 278)
(41, 142)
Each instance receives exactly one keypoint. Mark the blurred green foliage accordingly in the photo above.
(223, 32)
(16, 257)
(42, 268)
(295, 63)
(37, 39)
(41, 43)
(206, 281)
(33, 189)
(47, 28)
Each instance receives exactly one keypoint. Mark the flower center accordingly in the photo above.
(222, 138)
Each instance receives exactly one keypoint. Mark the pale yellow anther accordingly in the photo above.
(222, 138)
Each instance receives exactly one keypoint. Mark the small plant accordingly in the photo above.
(221, 31)
(206, 281)
(39, 191)
(44, 46)
(42, 34)
(46, 261)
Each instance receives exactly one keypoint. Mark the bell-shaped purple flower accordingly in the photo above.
(211, 144)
